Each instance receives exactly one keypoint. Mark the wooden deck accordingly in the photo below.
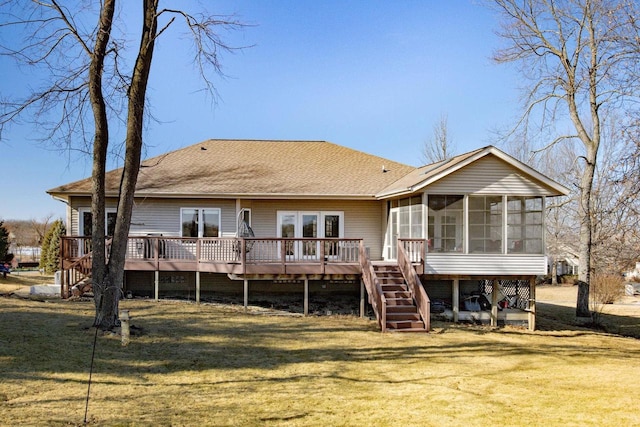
(269, 258)
(238, 256)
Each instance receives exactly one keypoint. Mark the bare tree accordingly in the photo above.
(40, 227)
(558, 162)
(616, 205)
(576, 56)
(27, 234)
(87, 90)
(440, 146)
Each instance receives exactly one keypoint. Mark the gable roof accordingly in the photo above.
(250, 168)
(421, 177)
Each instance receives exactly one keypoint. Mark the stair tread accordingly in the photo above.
(407, 330)
(405, 325)
(403, 317)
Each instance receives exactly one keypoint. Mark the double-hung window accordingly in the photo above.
(200, 222)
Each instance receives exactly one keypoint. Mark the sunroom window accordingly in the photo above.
(485, 224)
(446, 213)
(410, 211)
(200, 222)
(524, 225)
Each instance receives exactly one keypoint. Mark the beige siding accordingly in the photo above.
(78, 203)
(488, 175)
(162, 216)
(362, 219)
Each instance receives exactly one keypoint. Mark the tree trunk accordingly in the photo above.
(582, 307)
(133, 143)
(554, 272)
(586, 233)
(100, 144)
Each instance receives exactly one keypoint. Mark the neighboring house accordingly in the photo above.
(326, 218)
(633, 275)
(566, 260)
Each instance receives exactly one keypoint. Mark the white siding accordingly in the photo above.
(478, 264)
(489, 175)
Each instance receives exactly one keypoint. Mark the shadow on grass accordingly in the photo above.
(552, 317)
(38, 339)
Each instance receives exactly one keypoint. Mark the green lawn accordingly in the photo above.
(214, 365)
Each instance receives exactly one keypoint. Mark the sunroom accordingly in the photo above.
(485, 227)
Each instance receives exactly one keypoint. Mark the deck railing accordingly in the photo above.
(226, 249)
(374, 290)
(415, 249)
(423, 304)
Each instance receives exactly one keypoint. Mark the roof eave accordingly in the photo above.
(227, 195)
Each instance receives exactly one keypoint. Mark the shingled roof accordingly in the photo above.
(249, 168)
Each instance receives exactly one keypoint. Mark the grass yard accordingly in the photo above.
(19, 279)
(215, 365)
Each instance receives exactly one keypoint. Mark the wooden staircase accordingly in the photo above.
(76, 273)
(401, 310)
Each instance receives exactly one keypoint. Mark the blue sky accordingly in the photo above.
(370, 75)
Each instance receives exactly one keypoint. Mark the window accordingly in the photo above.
(410, 217)
(485, 224)
(332, 225)
(446, 213)
(86, 222)
(309, 230)
(524, 225)
(200, 222)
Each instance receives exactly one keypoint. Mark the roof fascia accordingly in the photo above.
(231, 196)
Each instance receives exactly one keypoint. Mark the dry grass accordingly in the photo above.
(558, 309)
(19, 279)
(215, 365)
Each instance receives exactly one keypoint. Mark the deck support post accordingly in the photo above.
(455, 300)
(362, 300)
(494, 302)
(306, 296)
(156, 284)
(246, 294)
(532, 304)
(197, 287)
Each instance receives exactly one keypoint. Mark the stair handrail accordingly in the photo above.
(81, 266)
(419, 294)
(374, 289)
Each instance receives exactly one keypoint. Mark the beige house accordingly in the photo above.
(225, 216)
